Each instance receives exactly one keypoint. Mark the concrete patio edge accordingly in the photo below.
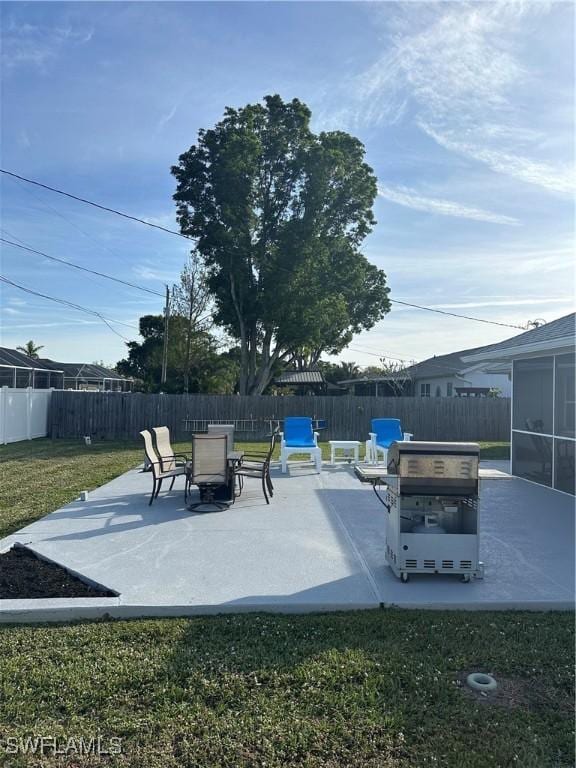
(76, 609)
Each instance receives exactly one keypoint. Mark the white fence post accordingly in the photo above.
(3, 430)
(29, 413)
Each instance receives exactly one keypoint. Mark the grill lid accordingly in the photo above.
(431, 460)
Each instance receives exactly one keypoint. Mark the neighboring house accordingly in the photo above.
(543, 401)
(89, 376)
(19, 370)
(439, 376)
(307, 382)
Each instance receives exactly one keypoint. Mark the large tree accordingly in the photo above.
(279, 214)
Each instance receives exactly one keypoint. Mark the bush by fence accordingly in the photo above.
(121, 416)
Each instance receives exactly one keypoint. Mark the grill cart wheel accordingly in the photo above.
(465, 578)
(404, 577)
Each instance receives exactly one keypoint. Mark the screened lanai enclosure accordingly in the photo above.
(543, 435)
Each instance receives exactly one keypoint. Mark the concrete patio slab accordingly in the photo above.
(318, 546)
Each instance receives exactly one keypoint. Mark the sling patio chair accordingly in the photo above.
(257, 464)
(209, 470)
(156, 465)
(299, 437)
(383, 433)
(168, 459)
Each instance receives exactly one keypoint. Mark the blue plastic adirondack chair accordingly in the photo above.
(384, 432)
(299, 437)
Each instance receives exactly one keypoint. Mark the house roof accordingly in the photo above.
(84, 371)
(300, 377)
(15, 359)
(557, 334)
(434, 367)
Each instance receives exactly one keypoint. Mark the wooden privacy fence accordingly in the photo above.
(121, 416)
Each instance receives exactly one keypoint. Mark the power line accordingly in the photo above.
(77, 266)
(187, 237)
(96, 205)
(454, 314)
(72, 305)
(62, 216)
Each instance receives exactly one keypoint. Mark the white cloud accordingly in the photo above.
(27, 44)
(530, 171)
(456, 69)
(412, 199)
(145, 272)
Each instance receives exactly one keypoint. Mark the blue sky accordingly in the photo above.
(465, 109)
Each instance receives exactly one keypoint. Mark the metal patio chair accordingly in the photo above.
(209, 469)
(256, 464)
(159, 474)
(168, 459)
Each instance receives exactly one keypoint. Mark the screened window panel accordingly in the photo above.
(564, 465)
(23, 378)
(564, 413)
(532, 457)
(6, 377)
(532, 402)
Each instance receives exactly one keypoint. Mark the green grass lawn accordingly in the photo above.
(372, 689)
(360, 689)
(40, 476)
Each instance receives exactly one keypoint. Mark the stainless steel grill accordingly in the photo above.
(431, 495)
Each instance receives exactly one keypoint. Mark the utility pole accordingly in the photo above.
(165, 348)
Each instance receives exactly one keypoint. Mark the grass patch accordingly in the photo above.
(365, 690)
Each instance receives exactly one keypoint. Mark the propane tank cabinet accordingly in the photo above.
(431, 534)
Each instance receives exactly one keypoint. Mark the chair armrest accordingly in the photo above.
(316, 436)
(257, 454)
(408, 436)
(168, 458)
(372, 435)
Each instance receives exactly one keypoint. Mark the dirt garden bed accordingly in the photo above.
(24, 575)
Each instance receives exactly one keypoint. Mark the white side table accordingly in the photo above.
(349, 448)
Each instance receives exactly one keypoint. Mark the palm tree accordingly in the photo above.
(30, 349)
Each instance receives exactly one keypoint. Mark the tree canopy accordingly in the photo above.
(31, 349)
(194, 364)
(279, 214)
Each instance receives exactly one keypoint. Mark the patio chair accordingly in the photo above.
(383, 433)
(298, 437)
(155, 464)
(223, 429)
(209, 469)
(257, 464)
(168, 459)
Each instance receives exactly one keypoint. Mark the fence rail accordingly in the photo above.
(119, 416)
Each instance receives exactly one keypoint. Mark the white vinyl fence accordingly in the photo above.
(23, 413)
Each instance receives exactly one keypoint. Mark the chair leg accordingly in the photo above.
(172, 483)
(158, 489)
(269, 483)
(264, 487)
(153, 496)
